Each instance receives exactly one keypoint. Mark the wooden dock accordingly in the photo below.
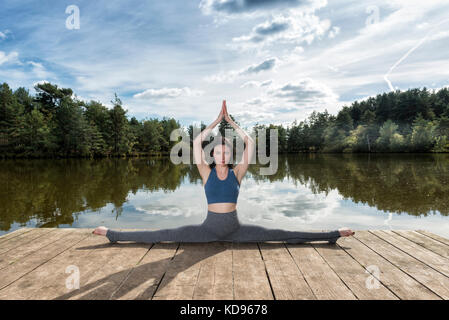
(46, 263)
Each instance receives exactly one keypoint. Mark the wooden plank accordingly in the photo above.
(396, 280)
(20, 268)
(214, 279)
(432, 279)
(48, 281)
(23, 239)
(89, 264)
(14, 233)
(182, 273)
(323, 281)
(144, 278)
(399, 282)
(426, 242)
(357, 278)
(286, 279)
(109, 276)
(250, 278)
(411, 264)
(426, 256)
(23, 247)
(104, 274)
(434, 236)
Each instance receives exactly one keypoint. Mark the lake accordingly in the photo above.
(307, 192)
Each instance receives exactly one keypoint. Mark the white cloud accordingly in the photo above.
(39, 70)
(333, 32)
(266, 65)
(168, 93)
(293, 27)
(304, 91)
(254, 83)
(167, 60)
(283, 102)
(4, 34)
(12, 57)
(439, 35)
(227, 8)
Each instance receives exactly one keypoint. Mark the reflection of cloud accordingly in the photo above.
(300, 206)
(167, 210)
(173, 204)
(284, 201)
(387, 221)
(281, 201)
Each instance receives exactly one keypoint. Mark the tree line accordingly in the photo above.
(55, 123)
(416, 120)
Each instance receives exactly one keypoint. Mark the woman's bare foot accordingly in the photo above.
(100, 231)
(344, 232)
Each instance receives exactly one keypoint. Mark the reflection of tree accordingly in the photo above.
(55, 192)
(413, 183)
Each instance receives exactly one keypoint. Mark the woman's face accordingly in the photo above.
(222, 154)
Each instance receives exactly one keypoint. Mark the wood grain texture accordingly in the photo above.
(373, 264)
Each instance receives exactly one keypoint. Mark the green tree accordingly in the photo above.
(36, 135)
(98, 114)
(389, 139)
(9, 112)
(153, 135)
(359, 138)
(422, 137)
(335, 139)
(25, 99)
(441, 144)
(93, 142)
(344, 120)
(70, 127)
(442, 126)
(120, 133)
(49, 97)
(168, 125)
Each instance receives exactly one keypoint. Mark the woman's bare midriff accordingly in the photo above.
(222, 207)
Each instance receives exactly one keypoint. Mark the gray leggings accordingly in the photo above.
(221, 227)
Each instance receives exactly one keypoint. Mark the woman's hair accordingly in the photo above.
(220, 141)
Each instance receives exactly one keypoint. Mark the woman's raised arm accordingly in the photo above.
(198, 152)
(242, 167)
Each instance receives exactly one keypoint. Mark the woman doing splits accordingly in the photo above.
(221, 181)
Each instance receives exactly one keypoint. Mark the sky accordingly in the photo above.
(273, 61)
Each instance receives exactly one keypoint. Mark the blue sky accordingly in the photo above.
(272, 60)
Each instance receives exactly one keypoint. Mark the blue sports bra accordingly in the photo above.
(222, 190)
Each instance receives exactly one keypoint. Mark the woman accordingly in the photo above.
(221, 183)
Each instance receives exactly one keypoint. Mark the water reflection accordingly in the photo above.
(314, 191)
